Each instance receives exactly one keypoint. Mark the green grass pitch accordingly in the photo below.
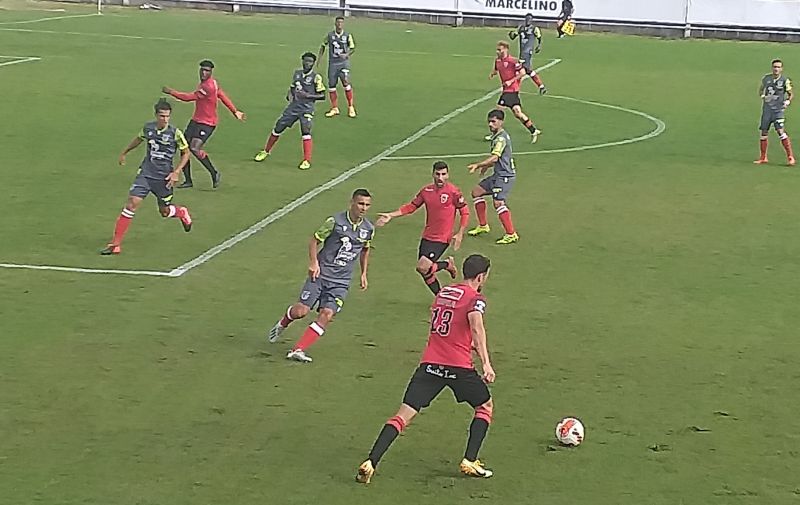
(653, 293)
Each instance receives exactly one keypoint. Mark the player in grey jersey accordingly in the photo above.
(346, 237)
(499, 184)
(341, 47)
(776, 94)
(529, 33)
(306, 89)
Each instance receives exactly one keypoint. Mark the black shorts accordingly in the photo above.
(509, 100)
(432, 250)
(198, 131)
(429, 380)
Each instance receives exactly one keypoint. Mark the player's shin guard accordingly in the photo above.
(763, 143)
(528, 123)
(477, 432)
(388, 434)
(121, 227)
(287, 318)
(505, 217)
(348, 92)
(334, 98)
(787, 145)
(308, 147)
(273, 138)
(480, 211)
(312, 333)
(431, 281)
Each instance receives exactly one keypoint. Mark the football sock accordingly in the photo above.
(121, 227)
(480, 210)
(477, 432)
(388, 434)
(287, 319)
(348, 92)
(441, 265)
(187, 172)
(273, 137)
(529, 125)
(536, 79)
(764, 141)
(206, 162)
(505, 218)
(312, 333)
(334, 98)
(432, 282)
(308, 146)
(787, 145)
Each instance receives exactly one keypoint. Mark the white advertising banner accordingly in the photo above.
(325, 4)
(754, 13)
(447, 6)
(661, 11)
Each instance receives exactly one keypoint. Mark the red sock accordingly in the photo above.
(286, 320)
(763, 142)
(308, 146)
(787, 146)
(537, 80)
(348, 92)
(480, 210)
(273, 137)
(312, 333)
(123, 221)
(334, 98)
(505, 217)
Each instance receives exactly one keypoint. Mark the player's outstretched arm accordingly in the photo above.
(133, 145)
(364, 262)
(241, 116)
(483, 165)
(180, 95)
(408, 208)
(479, 343)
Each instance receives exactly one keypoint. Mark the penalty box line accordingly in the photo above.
(298, 202)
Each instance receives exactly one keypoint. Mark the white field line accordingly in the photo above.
(84, 270)
(308, 196)
(215, 42)
(660, 127)
(51, 18)
(18, 59)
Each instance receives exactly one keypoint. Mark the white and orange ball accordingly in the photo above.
(569, 431)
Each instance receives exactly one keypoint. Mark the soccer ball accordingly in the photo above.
(569, 431)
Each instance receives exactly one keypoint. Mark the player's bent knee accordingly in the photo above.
(326, 315)
(485, 411)
(300, 311)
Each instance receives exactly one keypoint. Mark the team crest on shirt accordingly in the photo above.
(166, 138)
(444, 198)
(363, 234)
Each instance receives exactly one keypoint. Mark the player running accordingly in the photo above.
(528, 33)
(306, 89)
(155, 175)
(499, 184)
(441, 200)
(776, 92)
(456, 329)
(567, 9)
(204, 120)
(342, 46)
(345, 238)
(511, 73)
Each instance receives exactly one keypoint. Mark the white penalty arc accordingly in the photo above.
(659, 128)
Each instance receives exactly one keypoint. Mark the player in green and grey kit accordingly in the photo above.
(529, 34)
(341, 47)
(346, 237)
(776, 93)
(306, 89)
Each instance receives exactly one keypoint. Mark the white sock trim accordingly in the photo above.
(172, 211)
(319, 330)
(127, 213)
(348, 88)
(502, 209)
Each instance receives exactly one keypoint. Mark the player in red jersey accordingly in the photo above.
(456, 329)
(511, 73)
(441, 200)
(204, 120)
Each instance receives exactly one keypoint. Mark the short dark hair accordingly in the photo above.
(529, 16)
(206, 64)
(440, 165)
(309, 54)
(777, 60)
(496, 114)
(339, 18)
(361, 192)
(475, 265)
(162, 104)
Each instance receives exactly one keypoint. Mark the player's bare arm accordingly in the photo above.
(789, 96)
(462, 227)
(479, 344)
(321, 52)
(313, 261)
(364, 262)
(133, 145)
(175, 175)
(484, 165)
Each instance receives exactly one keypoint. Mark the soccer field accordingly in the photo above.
(653, 293)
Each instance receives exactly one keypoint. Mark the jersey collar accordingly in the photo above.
(355, 225)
